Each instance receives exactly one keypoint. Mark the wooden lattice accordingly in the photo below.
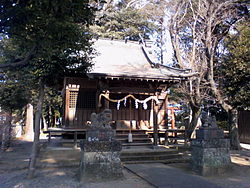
(73, 99)
(82, 99)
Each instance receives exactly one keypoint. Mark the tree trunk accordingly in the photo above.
(35, 146)
(48, 116)
(232, 116)
(194, 121)
(233, 129)
(52, 117)
(9, 135)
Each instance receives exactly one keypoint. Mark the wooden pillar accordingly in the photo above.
(166, 111)
(172, 119)
(130, 114)
(166, 118)
(155, 120)
(138, 123)
(151, 115)
(66, 108)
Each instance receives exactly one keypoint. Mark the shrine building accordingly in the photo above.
(125, 79)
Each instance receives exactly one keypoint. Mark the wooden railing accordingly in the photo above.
(170, 135)
(55, 131)
(173, 135)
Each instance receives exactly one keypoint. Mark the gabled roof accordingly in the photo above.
(131, 60)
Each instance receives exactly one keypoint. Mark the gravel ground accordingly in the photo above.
(14, 162)
(64, 178)
(237, 177)
(13, 171)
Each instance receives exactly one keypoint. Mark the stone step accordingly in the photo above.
(158, 154)
(150, 157)
(165, 161)
(126, 131)
(69, 142)
(67, 156)
(123, 142)
(149, 152)
(137, 144)
(134, 135)
(135, 140)
(140, 138)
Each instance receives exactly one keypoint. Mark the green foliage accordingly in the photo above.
(13, 94)
(52, 106)
(42, 41)
(120, 23)
(236, 68)
(53, 33)
(222, 124)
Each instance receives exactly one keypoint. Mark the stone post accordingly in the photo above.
(100, 152)
(29, 125)
(210, 151)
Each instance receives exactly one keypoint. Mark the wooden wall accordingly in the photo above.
(77, 115)
(244, 126)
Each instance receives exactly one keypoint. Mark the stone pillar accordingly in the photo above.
(100, 152)
(210, 152)
(29, 125)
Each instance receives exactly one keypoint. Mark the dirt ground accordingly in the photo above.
(237, 177)
(14, 162)
(13, 171)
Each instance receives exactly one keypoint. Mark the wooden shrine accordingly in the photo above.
(125, 79)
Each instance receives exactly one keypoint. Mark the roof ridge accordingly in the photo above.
(117, 40)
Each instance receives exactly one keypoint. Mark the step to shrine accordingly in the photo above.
(57, 156)
(139, 138)
(154, 156)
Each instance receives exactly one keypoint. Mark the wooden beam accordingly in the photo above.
(66, 108)
(131, 90)
(166, 112)
(155, 107)
(130, 114)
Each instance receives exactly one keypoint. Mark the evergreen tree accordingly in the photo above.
(119, 21)
(13, 97)
(235, 67)
(49, 40)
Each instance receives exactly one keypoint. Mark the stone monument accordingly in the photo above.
(210, 151)
(100, 152)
